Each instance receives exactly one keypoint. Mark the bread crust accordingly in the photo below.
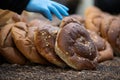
(8, 48)
(103, 46)
(45, 38)
(110, 30)
(75, 47)
(23, 36)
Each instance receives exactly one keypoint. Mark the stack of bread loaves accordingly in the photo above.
(106, 25)
(76, 42)
(40, 42)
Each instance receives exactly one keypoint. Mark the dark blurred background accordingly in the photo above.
(79, 6)
(71, 4)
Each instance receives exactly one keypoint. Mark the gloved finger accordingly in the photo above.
(64, 7)
(47, 14)
(61, 10)
(55, 11)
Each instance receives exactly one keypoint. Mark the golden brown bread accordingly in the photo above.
(104, 48)
(93, 22)
(106, 25)
(78, 18)
(23, 36)
(8, 48)
(5, 15)
(110, 30)
(91, 10)
(94, 18)
(16, 18)
(72, 18)
(45, 38)
(75, 47)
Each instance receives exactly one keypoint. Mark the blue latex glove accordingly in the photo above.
(46, 7)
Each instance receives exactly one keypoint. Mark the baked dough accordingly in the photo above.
(45, 38)
(72, 18)
(8, 48)
(110, 30)
(75, 47)
(91, 10)
(94, 18)
(93, 22)
(23, 36)
(103, 46)
(5, 15)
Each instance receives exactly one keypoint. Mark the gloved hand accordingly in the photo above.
(46, 7)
